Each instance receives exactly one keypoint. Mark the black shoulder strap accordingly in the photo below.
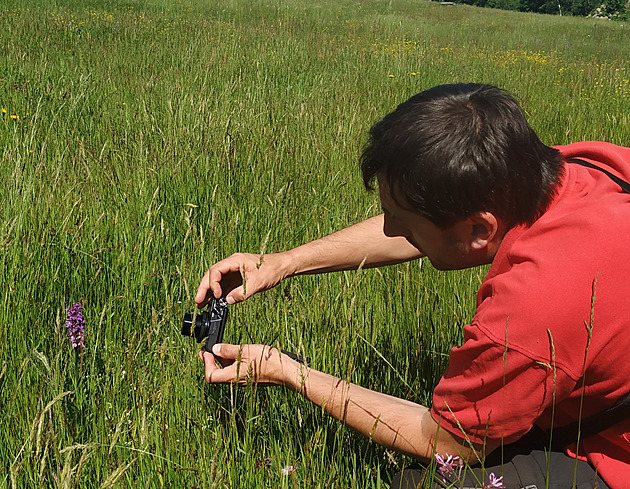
(625, 186)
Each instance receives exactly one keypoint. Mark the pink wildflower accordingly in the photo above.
(75, 325)
(451, 467)
(494, 482)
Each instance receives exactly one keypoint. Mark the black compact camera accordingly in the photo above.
(209, 325)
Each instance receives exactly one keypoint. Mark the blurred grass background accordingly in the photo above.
(142, 141)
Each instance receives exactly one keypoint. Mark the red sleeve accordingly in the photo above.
(490, 393)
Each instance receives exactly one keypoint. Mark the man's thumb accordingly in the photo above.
(226, 351)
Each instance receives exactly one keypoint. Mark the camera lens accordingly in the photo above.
(187, 324)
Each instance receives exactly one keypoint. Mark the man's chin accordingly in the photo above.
(416, 246)
(442, 266)
(460, 265)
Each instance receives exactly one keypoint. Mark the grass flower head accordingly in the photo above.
(287, 470)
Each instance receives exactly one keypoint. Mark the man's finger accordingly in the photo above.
(214, 374)
(201, 299)
(215, 277)
(237, 295)
(226, 351)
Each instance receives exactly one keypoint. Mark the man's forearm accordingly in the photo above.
(243, 274)
(389, 421)
(392, 422)
(364, 242)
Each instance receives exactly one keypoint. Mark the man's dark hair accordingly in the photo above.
(453, 151)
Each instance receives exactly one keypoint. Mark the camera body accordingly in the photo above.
(209, 325)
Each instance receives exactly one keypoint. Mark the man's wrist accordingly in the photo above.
(293, 374)
(287, 263)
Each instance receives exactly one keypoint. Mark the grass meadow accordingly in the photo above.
(141, 141)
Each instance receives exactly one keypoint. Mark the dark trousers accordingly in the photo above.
(523, 467)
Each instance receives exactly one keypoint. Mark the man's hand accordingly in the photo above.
(240, 276)
(245, 364)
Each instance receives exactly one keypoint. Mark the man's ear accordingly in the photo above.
(480, 232)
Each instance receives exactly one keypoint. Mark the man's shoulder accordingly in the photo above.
(552, 279)
(603, 153)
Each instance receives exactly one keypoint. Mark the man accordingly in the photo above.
(464, 181)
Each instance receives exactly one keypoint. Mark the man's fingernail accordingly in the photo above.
(230, 300)
(216, 349)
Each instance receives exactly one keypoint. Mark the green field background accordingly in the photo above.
(142, 141)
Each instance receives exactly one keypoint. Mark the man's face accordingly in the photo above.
(443, 247)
